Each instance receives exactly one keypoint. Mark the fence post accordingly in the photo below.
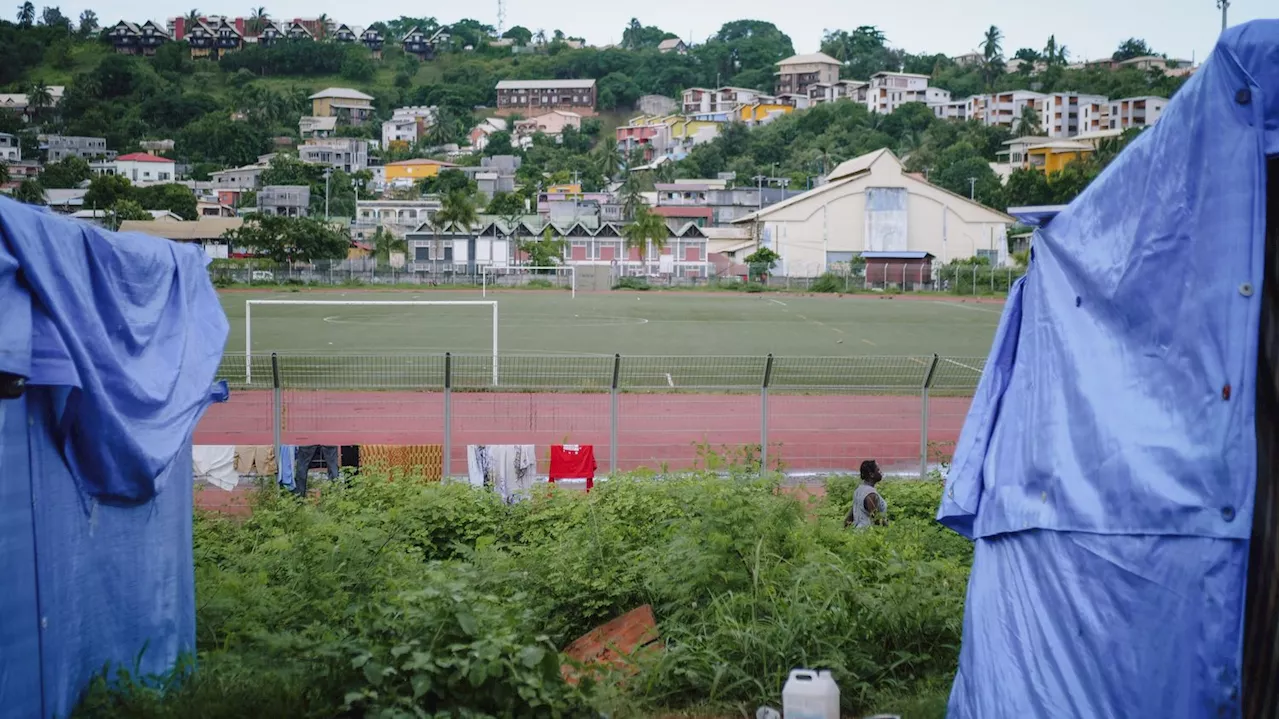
(448, 413)
(924, 417)
(277, 408)
(613, 416)
(975, 279)
(764, 413)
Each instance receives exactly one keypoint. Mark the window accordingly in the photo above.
(421, 253)
(992, 256)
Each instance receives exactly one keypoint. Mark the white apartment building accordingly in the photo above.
(887, 91)
(407, 125)
(1002, 108)
(697, 100)
(10, 148)
(349, 154)
(1135, 112)
(1095, 114)
(953, 110)
(1060, 113)
(855, 90)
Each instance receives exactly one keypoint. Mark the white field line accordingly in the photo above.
(778, 302)
(961, 364)
(966, 306)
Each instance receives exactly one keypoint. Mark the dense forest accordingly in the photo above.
(226, 113)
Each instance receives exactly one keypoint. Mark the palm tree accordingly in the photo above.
(992, 54)
(539, 37)
(26, 14)
(646, 231)
(192, 19)
(39, 97)
(384, 243)
(4, 173)
(1029, 121)
(322, 26)
(257, 21)
(457, 209)
(1053, 53)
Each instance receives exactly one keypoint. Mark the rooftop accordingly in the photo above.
(420, 161)
(547, 84)
(340, 93)
(811, 58)
(142, 157)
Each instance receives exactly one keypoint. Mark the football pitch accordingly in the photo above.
(552, 324)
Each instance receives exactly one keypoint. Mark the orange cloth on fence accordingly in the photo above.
(418, 460)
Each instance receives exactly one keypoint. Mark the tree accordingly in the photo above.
(257, 21)
(66, 173)
(290, 239)
(53, 17)
(456, 208)
(505, 204)
(39, 97)
(547, 251)
(1029, 121)
(638, 37)
(170, 196)
(1054, 54)
(1028, 187)
(499, 144)
(29, 192)
(1131, 48)
(88, 23)
(760, 262)
(322, 26)
(107, 190)
(992, 55)
(385, 243)
(647, 231)
(217, 138)
(193, 17)
(127, 210)
(26, 14)
(4, 173)
(521, 34)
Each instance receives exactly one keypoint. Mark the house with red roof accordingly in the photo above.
(142, 168)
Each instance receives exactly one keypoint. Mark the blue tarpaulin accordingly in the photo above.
(119, 338)
(1107, 467)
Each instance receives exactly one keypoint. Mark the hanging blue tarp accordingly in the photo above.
(118, 338)
(1106, 469)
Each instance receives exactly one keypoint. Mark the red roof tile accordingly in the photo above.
(142, 157)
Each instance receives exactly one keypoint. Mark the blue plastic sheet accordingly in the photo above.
(120, 338)
(131, 324)
(1106, 469)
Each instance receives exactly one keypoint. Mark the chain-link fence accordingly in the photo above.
(796, 414)
(953, 279)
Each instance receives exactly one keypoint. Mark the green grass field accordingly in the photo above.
(668, 340)
(628, 323)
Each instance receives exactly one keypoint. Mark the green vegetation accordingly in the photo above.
(290, 239)
(226, 113)
(402, 599)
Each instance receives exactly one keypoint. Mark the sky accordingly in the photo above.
(1089, 28)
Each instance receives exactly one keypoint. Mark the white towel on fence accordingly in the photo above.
(215, 464)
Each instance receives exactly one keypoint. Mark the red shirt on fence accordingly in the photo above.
(573, 461)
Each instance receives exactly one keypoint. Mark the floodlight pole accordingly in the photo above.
(248, 333)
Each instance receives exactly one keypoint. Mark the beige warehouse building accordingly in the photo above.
(870, 204)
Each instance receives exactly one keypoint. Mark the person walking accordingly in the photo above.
(868, 506)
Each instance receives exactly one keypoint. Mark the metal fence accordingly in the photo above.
(953, 279)
(795, 414)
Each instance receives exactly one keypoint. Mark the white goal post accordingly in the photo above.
(248, 320)
(486, 271)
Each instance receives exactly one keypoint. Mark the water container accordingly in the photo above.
(810, 694)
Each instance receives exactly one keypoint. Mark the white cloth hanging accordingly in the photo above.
(215, 464)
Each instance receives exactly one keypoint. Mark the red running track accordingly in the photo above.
(828, 432)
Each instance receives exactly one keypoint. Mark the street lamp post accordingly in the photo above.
(328, 172)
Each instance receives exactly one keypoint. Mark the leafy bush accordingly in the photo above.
(540, 284)
(394, 598)
(753, 287)
(631, 283)
(829, 282)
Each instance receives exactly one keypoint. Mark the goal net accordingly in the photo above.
(355, 327)
(549, 277)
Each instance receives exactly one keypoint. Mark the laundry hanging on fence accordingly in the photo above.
(508, 469)
(285, 461)
(418, 460)
(215, 464)
(257, 459)
(302, 461)
(573, 461)
(349, 456)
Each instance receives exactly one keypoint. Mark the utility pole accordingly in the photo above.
(1223, 5)
(328, 171)
(972, 181)
(759, 204)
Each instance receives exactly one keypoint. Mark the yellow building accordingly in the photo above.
(758, 111)
(567, 188)
(349, 106)
(1051, 157)
(414, 170)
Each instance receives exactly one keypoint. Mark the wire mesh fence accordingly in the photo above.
(795, 414)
